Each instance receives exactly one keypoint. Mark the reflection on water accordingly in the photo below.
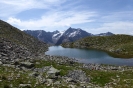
(88, 56)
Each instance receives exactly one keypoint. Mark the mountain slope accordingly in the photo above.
(41, 35)
(48, 37)
(122, 45)
(14, 35)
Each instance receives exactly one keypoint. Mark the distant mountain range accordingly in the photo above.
(57, 38)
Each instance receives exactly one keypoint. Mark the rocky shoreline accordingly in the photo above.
(59, 72)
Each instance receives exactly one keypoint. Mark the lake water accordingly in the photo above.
(88, 56)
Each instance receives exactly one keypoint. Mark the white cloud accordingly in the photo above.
(14, 20)
(116, 16)
(12, 7)
(65, 13)
(55, 19)
(119, 27)
(117, 22)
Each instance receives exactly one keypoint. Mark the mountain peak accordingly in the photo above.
(56, 32)
(70, 28)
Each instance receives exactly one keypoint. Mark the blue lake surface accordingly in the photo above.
(88, 56)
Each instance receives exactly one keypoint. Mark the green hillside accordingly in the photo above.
(120, 45)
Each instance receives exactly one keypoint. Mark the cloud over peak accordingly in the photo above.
(56, 19)
(93, 15)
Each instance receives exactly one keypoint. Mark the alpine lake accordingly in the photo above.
(89, 56)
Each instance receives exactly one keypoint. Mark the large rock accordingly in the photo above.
(41, 79)
(34, 74)
(27, 64)
(53, 73)
(24, 85)
(78, 76)
(1, 63)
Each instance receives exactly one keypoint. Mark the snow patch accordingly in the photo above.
(58, 35)
(40, 33)
(73, 34)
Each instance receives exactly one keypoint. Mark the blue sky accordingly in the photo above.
(94, 16)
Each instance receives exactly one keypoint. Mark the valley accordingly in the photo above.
(23, 64)
(66, 43)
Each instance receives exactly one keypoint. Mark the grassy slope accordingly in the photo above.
(18, 37)
(117, 44)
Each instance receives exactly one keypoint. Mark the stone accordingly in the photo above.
(53, 73)
(3, 54)
(11, 85)
(27, 65)
(41, 79)
(53, 70)
(37, 63)
(78, 76)
(34, 74)
(24, 85)
(49, 81)
(1, 63)
(72, 86)
(57, 82)
(71, 80)
(90, 86)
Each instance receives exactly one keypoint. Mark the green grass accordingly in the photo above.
(103, 77)
(6, 72)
